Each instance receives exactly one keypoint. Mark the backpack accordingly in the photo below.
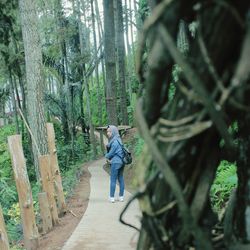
(127, 158)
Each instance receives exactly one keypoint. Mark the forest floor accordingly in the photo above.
(77, 205)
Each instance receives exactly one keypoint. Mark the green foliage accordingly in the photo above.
(7, 187)
(143, 10)
(183, 47)
(82, 153)
(14, 212)
(233, 130)
(138, 145)
(171, 91)
(94, 102)
(17, 248)
(182, 40)
(13, 225)
(8, 193)
(131, 109)
(226, 179)
(176, 73)
(193, 28)
(134, 82)
(69, 178)
(14, 231)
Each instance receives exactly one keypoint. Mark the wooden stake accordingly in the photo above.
(73, 213)
(48, 185)
(45, 212)
(31, 241)
(101, 141)
(4, 242)
(55, 169)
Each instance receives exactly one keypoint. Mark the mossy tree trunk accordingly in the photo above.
(184, 135)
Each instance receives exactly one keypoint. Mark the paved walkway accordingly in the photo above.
(99, 227)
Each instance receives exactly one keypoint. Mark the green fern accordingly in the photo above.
(225, 180)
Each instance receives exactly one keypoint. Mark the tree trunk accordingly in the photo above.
(129, 66)
(17, 92)
(19, 75)
(14, 101)
(127, 28)
(131, 30)
(69, 93)
(86, 88)
(34, 77)
(121, 63)
(4, 241)
(92, 133)
(101, 36)
(96, 68)
(109, 53)
(64, 88)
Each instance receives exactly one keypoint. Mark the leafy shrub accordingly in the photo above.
(69, 178)
(138, 145)
(4, 155)
(14, 212)
(226, 179)
(8, 193)
(131, 108)
(15, 231)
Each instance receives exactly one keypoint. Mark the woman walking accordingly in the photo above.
(114, 156)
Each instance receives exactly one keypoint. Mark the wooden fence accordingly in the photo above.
(51, 200)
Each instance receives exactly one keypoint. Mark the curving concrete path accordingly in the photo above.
(99, 227)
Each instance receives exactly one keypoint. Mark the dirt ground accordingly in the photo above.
(77, 205)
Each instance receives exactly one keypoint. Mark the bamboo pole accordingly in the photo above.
(48, 185)
(55, 170)
(30, 232)
(45, 212)
(4, 242)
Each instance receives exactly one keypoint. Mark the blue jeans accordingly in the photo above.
(116, 174)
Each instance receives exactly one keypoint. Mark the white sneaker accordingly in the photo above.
(121, 198)
(112, 199)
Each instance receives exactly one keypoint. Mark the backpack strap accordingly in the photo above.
(122, 150)
(120, 144)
